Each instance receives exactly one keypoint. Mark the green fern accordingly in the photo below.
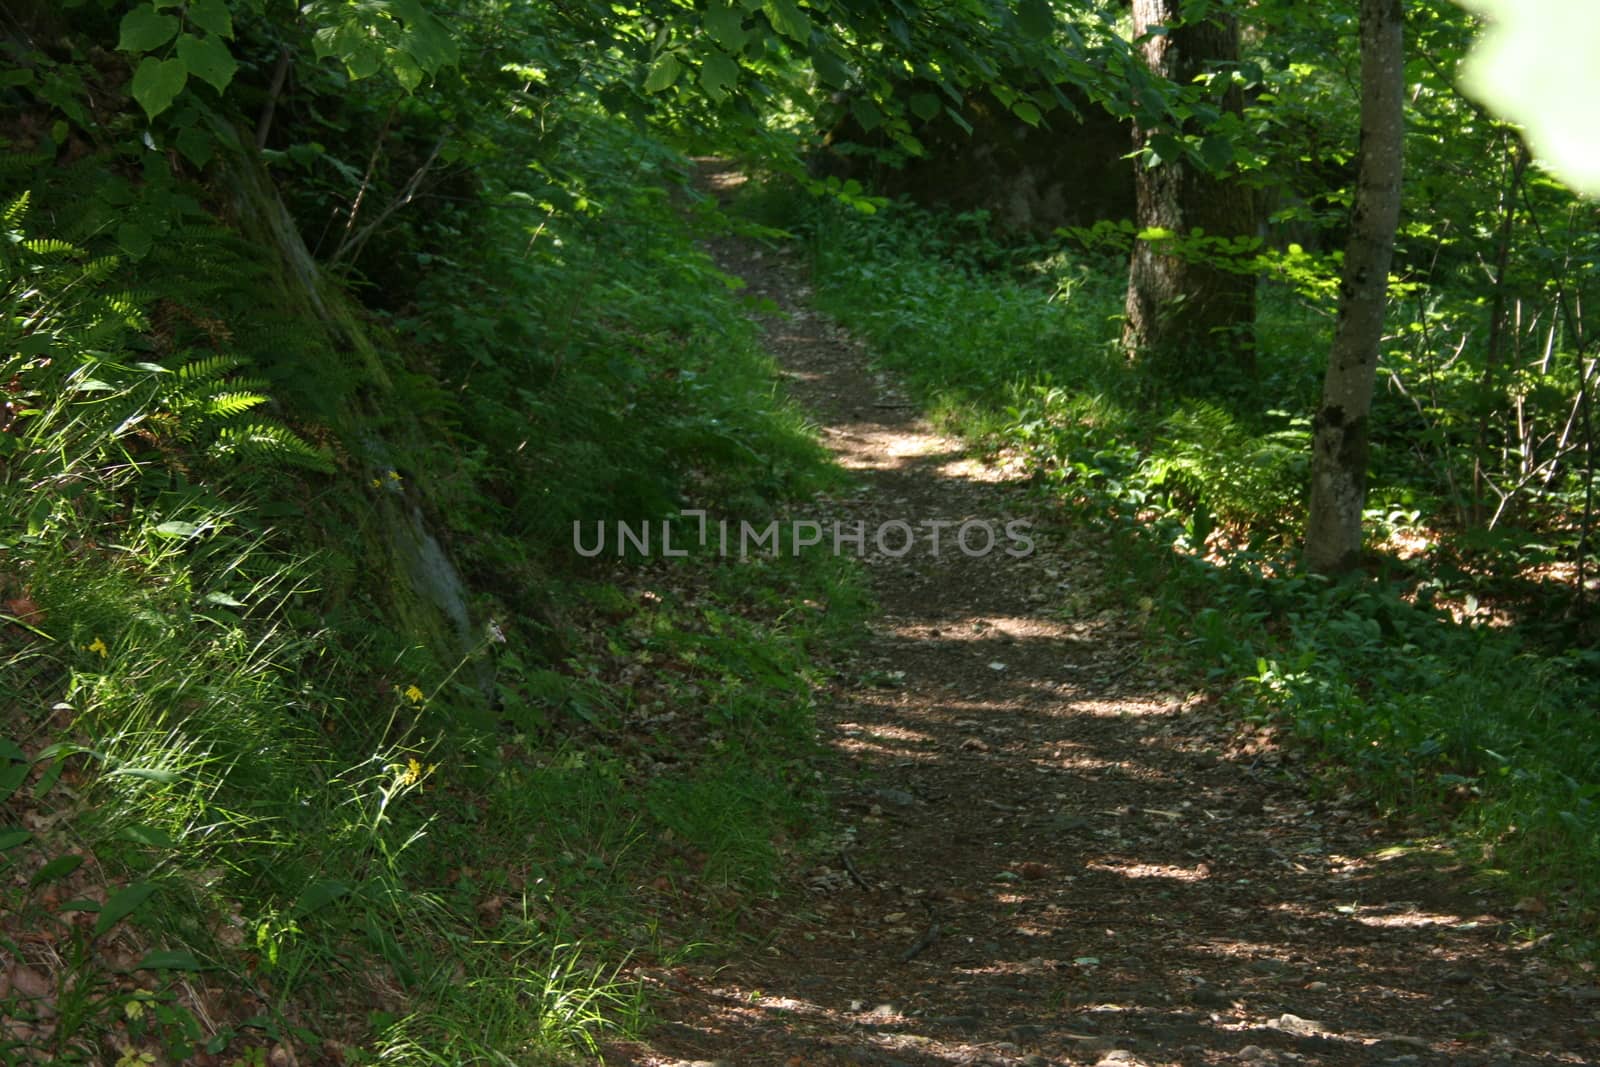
(209, 369)
(227, 405)
(16, 210)
(271, 442)
(51, 247)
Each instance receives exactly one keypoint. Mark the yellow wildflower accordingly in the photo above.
(394, 476)
(377, 483)
(413, 772)
(97, 645)
(413, 694)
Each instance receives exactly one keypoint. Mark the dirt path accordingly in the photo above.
(1050, 858)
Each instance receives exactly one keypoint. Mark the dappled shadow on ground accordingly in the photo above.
(1049, 856)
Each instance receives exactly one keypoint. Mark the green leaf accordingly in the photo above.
(718, 74)
(1217, 152)
(427, 40)
(9, 749)
(176, 528)
(1027, 111)
(1036, 17)
(1164, 148)
(122, 904)
(12, 778)
(157, 83)
(208, 59)
(405, 71)
(319, 895)
(168, 960)
(59, 867)
(925, 106)
(148, 835)
(831, 68)
(725, 23)
(787, 18)
(663, 72)
(212, 16)
(196, 145)
(148, 774)
(144, 30)
(134, 238)
(12, 838)
(866, 113)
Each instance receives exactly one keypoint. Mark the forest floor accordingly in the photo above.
(1049, 853)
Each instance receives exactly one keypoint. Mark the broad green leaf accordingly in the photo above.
(1027, 111)
(427, 40)
(9, 749)
(207, 59)
(663, 72)
(157, 83)
(725, 23)
(177, 528)
(13, 838)
(405, 71)
(59, 867)
(143, 29)
(1535, 65)
(1156, 233)
(718, 75)
(1164, 148)
(212, 16)
(168, 960)
(319, 895)
(148, 774)
(787, 18)
(147, 835)
(196, 145)
(1217, 152)
(831, 68)
(866, 113)
(122, 904)
(134, 238)
(1036, 17)
(925, 106)
(12, 775)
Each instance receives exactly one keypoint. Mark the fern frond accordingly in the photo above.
(271, 442)
(209, 369)
(51, 247)
(227, 405)
(18, 208)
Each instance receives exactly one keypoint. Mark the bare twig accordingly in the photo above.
(922, 944)
(850, 869)
(352, 245)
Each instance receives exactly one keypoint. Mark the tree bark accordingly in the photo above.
(1193, 313)
(1340, 430)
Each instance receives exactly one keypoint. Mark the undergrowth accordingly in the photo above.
(316, 732)
(1200, 487)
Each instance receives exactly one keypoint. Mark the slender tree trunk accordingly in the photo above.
(1340, 430)
(1194, 313)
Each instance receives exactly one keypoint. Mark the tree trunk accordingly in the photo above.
(1193, 313)
(1340, 430)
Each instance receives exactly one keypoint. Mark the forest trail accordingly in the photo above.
(1049, 856)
